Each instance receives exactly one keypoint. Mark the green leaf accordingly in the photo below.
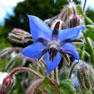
(89, 32)
(67, 87)
(52, 84)
(80, 12)
(88, 20)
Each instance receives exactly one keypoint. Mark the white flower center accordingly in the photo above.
(53, 44)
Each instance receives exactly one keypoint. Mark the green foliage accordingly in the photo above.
(67, 87)
(87, 20)
(79, 10)
(90, 31)
(3, 44)
(90, 14)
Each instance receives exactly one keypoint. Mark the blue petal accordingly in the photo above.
(76, 84)
(71, 33)
(52, 65)
(34, 50)
(39, 29)
(75, 81)
(69, 48)
(55, 1)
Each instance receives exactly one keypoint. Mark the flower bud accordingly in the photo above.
(7, 84)
(2, 76)
(19, 36)
(85, 76)
(73, 21)
(5, 53)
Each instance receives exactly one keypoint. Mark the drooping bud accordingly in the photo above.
(19, 36)
(85, 75)
(64, 15)
(7, 85)
(73, 21)
(2, 76)
(5, 53)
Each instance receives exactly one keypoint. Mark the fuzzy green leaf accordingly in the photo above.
(67, 87)
(89, 32)
(88, 20)
(80, 12)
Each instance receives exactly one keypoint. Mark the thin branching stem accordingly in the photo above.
(84, 6)
(56, 75)
(25, 69)
(71, 71)
(63, 14)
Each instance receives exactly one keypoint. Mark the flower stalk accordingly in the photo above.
(71, 70)
(90, 48)
(84, 6)
(56, 75)
(26, 69)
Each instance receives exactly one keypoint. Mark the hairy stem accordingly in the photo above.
(90, 49)
(87, 92)
(71, 71)
(25, 69)
(74, 10)
(56, 75)
(84, 6)
(63, 14)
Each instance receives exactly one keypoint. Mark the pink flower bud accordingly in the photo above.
(73, 21)
(8, 83)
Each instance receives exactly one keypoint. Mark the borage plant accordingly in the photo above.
(50, 42)
(51, 47)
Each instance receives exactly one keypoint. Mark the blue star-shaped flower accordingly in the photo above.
(52, 43)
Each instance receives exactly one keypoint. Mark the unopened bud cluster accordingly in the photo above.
(85, 76)
(68, 17)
